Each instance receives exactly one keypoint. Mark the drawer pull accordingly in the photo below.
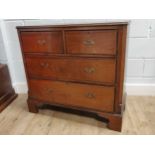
(44, 65)
(89, 70)
(88, 42)
(90, 96)
(49, 90)
(41, 42)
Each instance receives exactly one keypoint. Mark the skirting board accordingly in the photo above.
(131, 89)
(140, 89)
(20, 88)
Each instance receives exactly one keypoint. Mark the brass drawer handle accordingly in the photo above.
(90, 95)
(88, 42)
(41, 42)
(44, 65)
(49, 90)
(89, 69)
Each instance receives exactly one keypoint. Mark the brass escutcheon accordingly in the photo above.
(88, 42)
(89, 69)
(90, 95)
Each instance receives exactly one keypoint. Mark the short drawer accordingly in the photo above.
(72, 69)
(91, 42)
(87, 96)
(42, 42)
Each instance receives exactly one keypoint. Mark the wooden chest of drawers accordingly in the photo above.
(76, 66)
(7, 93)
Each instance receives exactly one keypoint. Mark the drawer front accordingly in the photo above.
(42, 42)
(91, 42)
(72, 69)
(80, 95)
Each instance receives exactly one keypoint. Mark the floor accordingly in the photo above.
(139, 118)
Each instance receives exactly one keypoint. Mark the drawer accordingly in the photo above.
(72, 69)
(91, 42)
(87, 96)
(42, 42)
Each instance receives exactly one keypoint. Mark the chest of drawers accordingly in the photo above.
(76, 66)
(7, 93)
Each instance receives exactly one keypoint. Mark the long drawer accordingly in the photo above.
(91, 42)
(80, 95)
(72, 69)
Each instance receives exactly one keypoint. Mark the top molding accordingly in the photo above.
(74, 25)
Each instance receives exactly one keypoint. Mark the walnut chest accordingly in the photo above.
(7, 93)
(76, 66)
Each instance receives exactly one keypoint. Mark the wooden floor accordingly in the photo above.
(139, 118)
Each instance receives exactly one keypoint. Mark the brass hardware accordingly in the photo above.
(41, 42)
(88, 42)
(89, 70)
(90, 95)
(49, 90)
(45, 65)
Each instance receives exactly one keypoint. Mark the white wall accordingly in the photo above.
(3, 58)
(140, 68)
